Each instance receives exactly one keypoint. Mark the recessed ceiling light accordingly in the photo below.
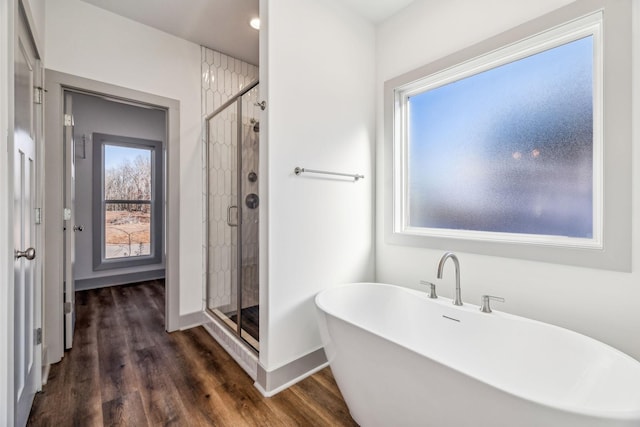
(255, 23)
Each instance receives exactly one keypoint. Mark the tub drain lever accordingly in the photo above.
(486, 308)
(432, 289)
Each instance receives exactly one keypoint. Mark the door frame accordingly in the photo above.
(6, 243)
(57, 83)
(9, 11)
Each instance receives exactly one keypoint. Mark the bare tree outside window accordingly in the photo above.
(127, 201)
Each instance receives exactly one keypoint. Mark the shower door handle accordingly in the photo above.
(229, 223)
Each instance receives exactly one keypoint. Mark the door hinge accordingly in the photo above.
(68, 120)
(67, 307)
(38, 215)
(38, 336)
(38, 95)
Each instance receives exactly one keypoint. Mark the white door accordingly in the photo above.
(27, 310)
(69, 221)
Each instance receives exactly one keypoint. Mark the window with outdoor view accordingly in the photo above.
(507, 150)
(127, 201)
(506, 147)
(127, 194)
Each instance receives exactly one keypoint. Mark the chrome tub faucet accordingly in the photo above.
(458, 298)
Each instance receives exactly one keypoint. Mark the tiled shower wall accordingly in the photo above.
(250, 140)
(222, 78)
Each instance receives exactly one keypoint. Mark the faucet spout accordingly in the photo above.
(458, 298)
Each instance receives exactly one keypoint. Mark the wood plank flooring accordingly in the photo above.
(125, 370)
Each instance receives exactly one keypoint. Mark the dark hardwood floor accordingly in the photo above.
(125, 370)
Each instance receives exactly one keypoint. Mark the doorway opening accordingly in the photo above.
(114, 194)
(103, 132)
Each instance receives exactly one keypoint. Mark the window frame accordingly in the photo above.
(610, 247)
(590, 25)
(99, 140)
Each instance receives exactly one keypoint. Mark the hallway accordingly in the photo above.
(124, 369)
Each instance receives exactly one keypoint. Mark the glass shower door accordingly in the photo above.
(250, 202)
(222, 218)
(232, 216)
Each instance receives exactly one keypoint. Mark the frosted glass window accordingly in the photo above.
(507, 150)
(520, 145)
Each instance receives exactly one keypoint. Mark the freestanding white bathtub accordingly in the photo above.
(402, 359)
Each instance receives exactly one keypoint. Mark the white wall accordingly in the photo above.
(90, 42)
(35, 10)
(598, 303)
(320, 106)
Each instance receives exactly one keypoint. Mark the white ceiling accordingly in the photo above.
(377, 10)
(222, 25)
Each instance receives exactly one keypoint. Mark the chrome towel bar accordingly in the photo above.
(298, 171)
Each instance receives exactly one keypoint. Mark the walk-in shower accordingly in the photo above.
(232, 214)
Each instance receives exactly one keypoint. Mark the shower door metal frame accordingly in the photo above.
(235, 99)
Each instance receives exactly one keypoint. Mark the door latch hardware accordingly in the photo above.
(38, 95)
(28, 254)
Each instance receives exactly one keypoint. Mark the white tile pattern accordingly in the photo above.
(222, 78)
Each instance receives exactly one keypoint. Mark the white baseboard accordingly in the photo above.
(270, 383)
(285, 386)
(45, 373)
(191, 320)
